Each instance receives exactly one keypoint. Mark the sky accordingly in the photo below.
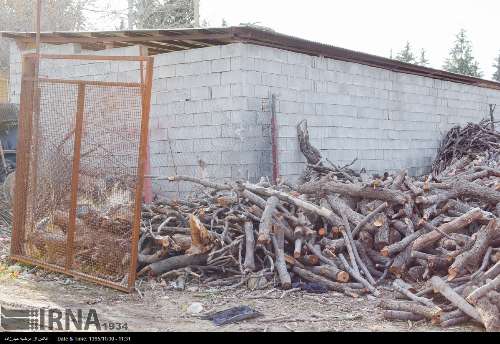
(371, 26)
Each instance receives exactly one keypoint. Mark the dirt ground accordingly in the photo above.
(159, 308)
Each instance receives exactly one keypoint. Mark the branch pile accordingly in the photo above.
(461, 142)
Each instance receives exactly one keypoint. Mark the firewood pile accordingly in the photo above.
(433, 241)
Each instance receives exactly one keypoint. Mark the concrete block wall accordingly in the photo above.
(203, 110)
(387, 120)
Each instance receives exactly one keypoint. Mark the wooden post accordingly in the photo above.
(146, 106)
(80, 108)
(23, 155)
(148, 184)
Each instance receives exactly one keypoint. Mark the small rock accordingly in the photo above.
(195, 308)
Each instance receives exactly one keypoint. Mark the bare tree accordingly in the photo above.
(58, 15)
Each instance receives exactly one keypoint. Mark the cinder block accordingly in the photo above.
(232, 77)
(184, 120)
(300, 84)
(202, 119)
(223, 91)
(253, 78)
(220, 118)
(242, 63)
(274, 80)
(221, 65)
(203, 54)
(242, 90)
(267, 66)
(201, 93)
(194, 107)
(232, 50)
(182, 146)
(194, 68)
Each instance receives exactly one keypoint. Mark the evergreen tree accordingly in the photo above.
(159, 14)
(461, 60)
(224, 23)
(423, 59)
(406, 54)
(496, 75)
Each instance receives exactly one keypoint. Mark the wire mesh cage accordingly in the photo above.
(82, 155)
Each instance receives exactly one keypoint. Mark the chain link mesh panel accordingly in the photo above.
(84, 156)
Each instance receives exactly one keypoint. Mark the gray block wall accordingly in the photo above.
(204, 109)
(387, 120)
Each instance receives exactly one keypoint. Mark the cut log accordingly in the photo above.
(330, 272)
(340, 207)
(249, 263)
(340, 275)
(404, 289)
(489, 312)
(174, 263)
(444, 289)
(413, 188)
(202, 182)
(482, 291)
(405, 228)
(334, 246)
(412, 307)
(415, 273)
(401, 262)
(382, 236)
(266, 221)
(312, 277)
(455, 321)
(278, 240)
(391, 250)
(470, 259)
(368, 218)
(457, 224)
(353, 190)
(493, 272)
(402, 315)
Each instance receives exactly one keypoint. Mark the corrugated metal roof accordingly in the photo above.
(162, 41)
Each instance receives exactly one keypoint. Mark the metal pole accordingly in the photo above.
(274, 139)
(37, 29)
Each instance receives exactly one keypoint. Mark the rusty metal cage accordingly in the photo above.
(82, 155)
